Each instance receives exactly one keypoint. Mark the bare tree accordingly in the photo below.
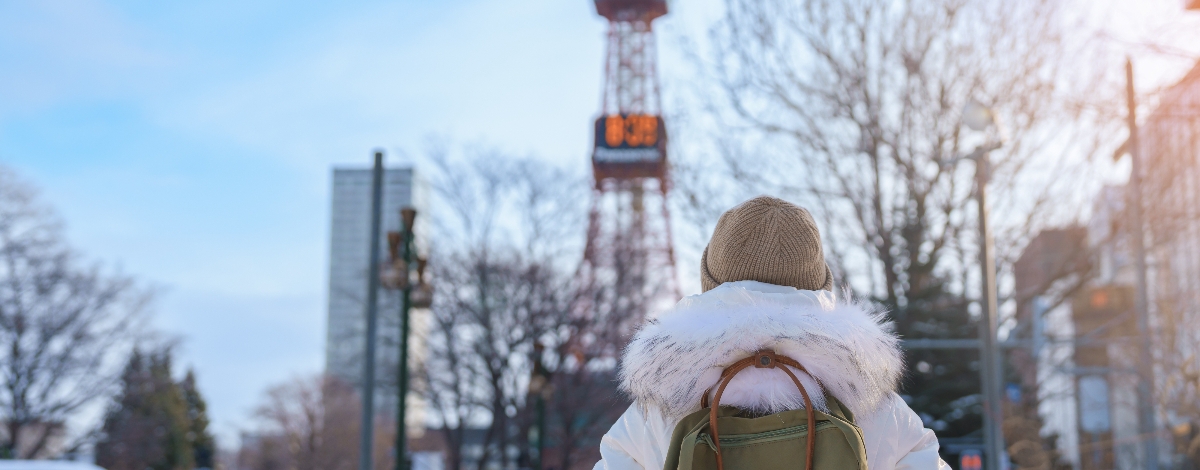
(486, 322)
(310, 423)
(502, 272)
(584, 403)
(64, 325)
(856, 106)
(853, 109)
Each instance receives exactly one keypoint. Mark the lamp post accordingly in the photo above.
(404, 262)
(367, 434)
(980, 118)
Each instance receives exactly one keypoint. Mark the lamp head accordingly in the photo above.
(977, 116)
(408, 215)
(393, 239)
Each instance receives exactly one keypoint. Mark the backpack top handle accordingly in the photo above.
(764, 359)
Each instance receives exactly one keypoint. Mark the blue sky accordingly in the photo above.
(190, 143)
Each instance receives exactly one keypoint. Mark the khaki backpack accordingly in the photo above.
(720, 438)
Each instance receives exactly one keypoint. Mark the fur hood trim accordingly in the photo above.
(848, 347)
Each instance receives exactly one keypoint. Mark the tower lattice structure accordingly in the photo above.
(629, 260)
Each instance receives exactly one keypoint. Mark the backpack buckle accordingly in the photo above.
(764, 359)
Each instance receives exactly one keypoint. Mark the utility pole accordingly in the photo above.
(993, 414)
(1145, 387)
(368, 388)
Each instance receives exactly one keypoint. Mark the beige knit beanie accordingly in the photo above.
(769, 240)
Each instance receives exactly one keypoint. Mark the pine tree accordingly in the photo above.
(942, 385)
(203, 445)
(147, 425)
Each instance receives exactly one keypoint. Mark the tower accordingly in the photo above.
(629, 261)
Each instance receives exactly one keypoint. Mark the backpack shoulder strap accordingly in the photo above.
(764, 359)
(838, 409)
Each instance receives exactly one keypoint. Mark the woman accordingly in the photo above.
(766, 286)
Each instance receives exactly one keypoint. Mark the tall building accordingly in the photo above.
(1087, 367)
(350, 226)
(1170, 148)
(1054, 263)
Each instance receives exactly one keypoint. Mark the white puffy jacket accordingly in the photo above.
(848, 347)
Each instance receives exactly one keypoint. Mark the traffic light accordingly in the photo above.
(1101, 314)
(1104, 312)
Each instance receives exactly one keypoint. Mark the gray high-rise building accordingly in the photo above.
(348, 267)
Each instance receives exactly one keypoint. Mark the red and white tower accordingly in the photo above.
(629, 260)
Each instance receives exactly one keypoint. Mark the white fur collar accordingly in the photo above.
(848, 347)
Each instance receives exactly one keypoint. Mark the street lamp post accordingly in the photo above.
(367, 434)
(989, 355)
(980, 118)
(404, 262)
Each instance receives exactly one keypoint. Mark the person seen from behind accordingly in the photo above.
(767, 296)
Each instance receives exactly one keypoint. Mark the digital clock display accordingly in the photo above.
(630, 146)
(630, 138)
(634, 130)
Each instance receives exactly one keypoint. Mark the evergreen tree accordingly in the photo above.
(942, 385)
(203, 446)
(146, 427)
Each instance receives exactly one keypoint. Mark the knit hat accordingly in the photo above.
(769, 240)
